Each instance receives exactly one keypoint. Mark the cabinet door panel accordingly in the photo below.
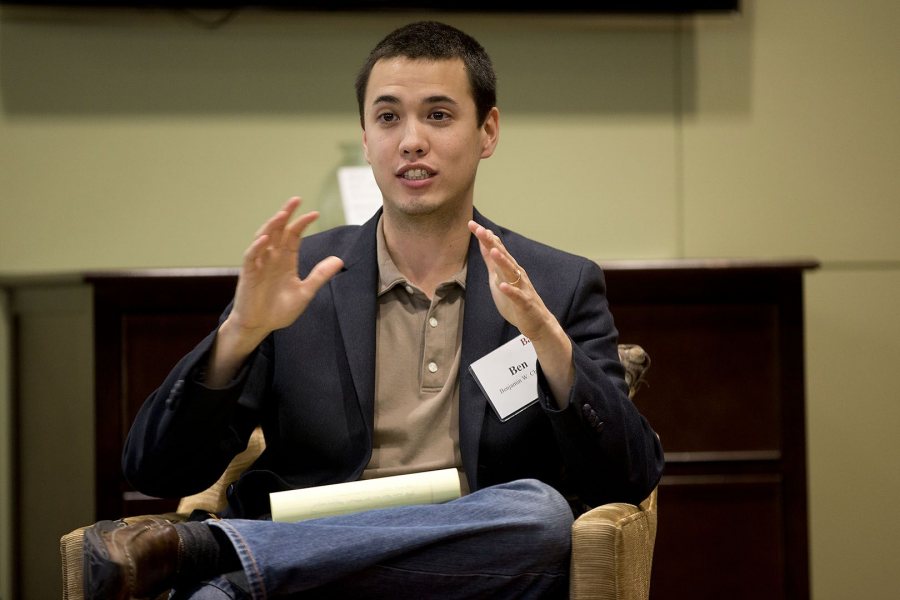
(719, 537)
(714, 375)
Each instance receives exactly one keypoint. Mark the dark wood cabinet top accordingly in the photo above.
(669, 264)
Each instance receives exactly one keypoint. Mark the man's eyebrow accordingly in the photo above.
(387, 99)
(439, 99)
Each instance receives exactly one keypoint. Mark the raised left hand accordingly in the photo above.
(520, 304)
(511, 288)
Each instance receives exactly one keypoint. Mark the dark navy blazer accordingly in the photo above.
(311, 386)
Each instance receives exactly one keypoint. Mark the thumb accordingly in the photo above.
(322, 272)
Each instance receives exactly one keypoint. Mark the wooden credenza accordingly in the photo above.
(725, 393)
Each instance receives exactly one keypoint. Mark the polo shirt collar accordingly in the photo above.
(389, 276)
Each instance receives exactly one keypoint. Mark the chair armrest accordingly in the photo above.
(636, 362)
(71, 547)
(612, 551)
(214, 498)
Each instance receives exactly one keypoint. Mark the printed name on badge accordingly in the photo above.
(508, 377)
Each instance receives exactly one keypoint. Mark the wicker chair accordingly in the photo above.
(612, 545)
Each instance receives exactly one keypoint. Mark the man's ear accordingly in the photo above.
(490, 133)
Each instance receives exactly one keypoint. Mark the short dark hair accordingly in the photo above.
(431, 40)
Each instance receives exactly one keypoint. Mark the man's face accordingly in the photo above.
(422, 136)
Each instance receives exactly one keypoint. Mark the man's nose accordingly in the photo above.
(413, 141)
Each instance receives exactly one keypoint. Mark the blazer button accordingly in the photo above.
(591, 416)
(174, 394)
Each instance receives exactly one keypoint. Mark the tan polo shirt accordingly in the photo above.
(418, 343)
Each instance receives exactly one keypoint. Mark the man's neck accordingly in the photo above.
(426, 251)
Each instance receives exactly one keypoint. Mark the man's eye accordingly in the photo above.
(439, 115)
(387, 117)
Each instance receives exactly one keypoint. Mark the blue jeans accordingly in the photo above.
(507, 541)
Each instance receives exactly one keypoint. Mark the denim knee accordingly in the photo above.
(547, 512)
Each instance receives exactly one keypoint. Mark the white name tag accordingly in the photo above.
(508, 377)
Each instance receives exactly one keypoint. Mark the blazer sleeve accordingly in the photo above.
(186, 433)
(609, 450)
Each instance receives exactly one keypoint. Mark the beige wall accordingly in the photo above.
(139, 140)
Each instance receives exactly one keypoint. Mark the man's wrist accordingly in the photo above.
(554, 353)
(236, 340)
(230, 350)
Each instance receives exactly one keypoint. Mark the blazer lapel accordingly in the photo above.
(484, 330)
(354, 290)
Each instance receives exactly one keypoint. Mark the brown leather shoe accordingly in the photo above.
(123, 561)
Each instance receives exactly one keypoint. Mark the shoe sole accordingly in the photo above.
(102, 577)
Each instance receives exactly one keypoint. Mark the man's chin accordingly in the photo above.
(416, 207)
(421, 208)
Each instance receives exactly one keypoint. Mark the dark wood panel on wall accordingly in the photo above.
(144, 322)
(734, 523)
(725, 392)
(716, 385)
(726, 395)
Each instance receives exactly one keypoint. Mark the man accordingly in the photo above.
(358, 367)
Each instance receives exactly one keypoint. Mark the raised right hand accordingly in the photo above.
(270, 293)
